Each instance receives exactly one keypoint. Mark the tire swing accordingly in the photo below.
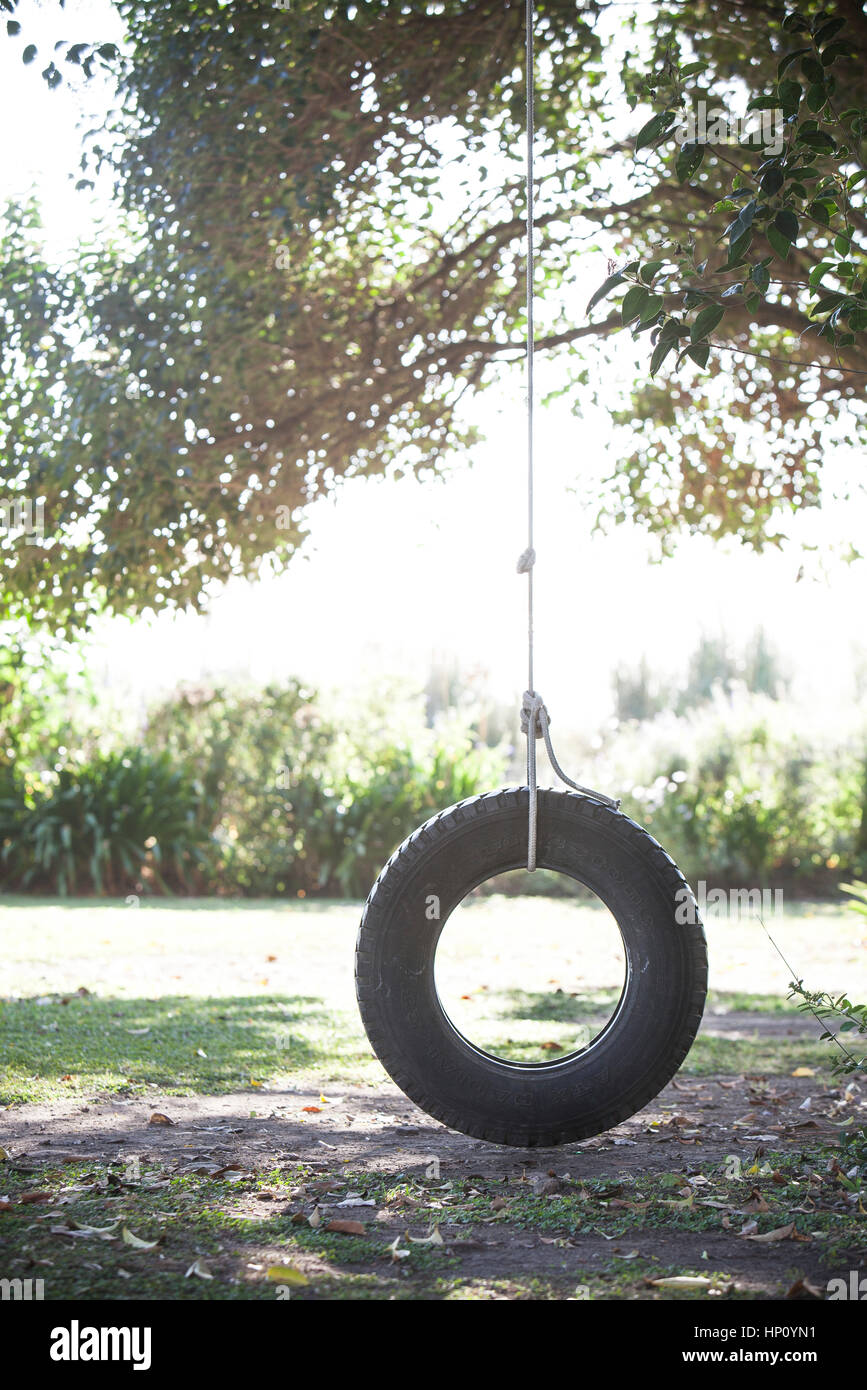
(579, 833)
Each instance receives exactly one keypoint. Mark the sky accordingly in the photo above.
(399, 574)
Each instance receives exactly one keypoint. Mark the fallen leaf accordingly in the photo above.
(286, 1274)
(312, 1109)
(682, 1281)
(73, 1228)
(157, 1118)
(781, 1233)
(346, 1228)
(200, 1270)
(433, 1239)
(314, 1219)
(755, 1202)
(802, 1288)
(136, 1242)
(803, 1071)
(28, 1197)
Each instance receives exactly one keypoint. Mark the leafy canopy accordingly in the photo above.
(319, 252)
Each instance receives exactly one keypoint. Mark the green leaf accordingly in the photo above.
(789, 59)
(786, 224)
(699, 352)
(772, 180)
(829, 302)
(649, 270)
(826, 31)
(795, 23)
(605, 288)
(761, 278)
(790, 93)
(706, 321)
(688, 160)
(660, 352)
(835, 51)
(812, 68)
(656, 126)
(817, 96)
(650, 308)
(29, 53)
(739, 249)
(13, 27)
(816, 140)
(781, 244)
(633, 302)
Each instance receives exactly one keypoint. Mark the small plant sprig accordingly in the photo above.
(845, 1016)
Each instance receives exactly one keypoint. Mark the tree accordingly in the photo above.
(320, 254)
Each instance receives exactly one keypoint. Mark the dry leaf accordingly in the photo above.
(682, 1281)
(27, 1197)
(200, 1270)
(433, 1239)
(286, 1274)
(781, 1233)
(802, 1288)
(136, 1242)
(755, 1202)
(803, 1071)
(314, 1219)
(346, 1228)
(312, 1109)
(157, 1118)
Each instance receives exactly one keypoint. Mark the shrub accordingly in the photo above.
(126, 820)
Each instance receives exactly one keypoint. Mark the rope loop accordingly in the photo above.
(535, 718)
(531, 711)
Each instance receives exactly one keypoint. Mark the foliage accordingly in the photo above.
(290, 296)
(754, 267)
(840, 1014)
(742, 789)
(641, 694)
(298, 804)
(123, 820)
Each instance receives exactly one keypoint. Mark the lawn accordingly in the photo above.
(237, 1022)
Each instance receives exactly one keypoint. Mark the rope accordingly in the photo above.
(535, 720)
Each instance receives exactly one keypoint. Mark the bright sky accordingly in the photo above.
(397, 574)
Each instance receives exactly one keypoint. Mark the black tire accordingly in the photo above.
(639, 1049)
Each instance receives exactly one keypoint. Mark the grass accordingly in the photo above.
(201, 996)
(196, 997)
(213, 1237)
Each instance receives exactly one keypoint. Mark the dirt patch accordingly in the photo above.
(671, 1189)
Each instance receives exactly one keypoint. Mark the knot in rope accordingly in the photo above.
(526, 560)
(534, 716)
(531, 714)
